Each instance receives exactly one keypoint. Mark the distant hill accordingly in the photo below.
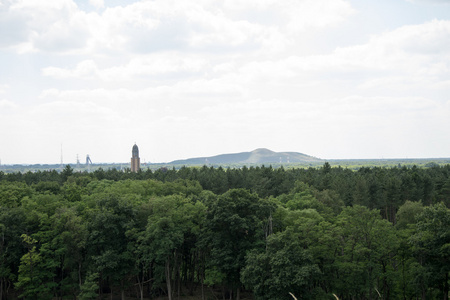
(258, 156)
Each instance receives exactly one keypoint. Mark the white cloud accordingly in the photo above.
(3, 88)
(42, 5)
(159, 64)
(97, 3)
(5, 104)
(317, 14)
(431, 1)
(148, 26)
(85, 70)
(54, 26)
(63, 36)
(410, 56)
(186, 107)
(395, 60)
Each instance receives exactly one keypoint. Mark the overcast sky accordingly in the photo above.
(190, 78)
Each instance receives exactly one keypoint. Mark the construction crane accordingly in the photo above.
(88, 163)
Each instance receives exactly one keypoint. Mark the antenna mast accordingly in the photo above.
(62, 158)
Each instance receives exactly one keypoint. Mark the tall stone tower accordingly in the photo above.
(135, 160)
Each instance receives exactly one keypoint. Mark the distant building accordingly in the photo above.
(135, 160)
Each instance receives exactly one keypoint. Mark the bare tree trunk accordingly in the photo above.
(79, 274)
(177, 279)
(100, 286)
(178, 284)
(223, 292)
(122, 290)
(141, 284)
(446, 288)
(203, 292)
(192, 264)
(168, 279)
(150, 284)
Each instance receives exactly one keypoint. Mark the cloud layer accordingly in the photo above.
(194, 78)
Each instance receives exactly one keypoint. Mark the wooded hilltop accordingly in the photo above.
(226, 233)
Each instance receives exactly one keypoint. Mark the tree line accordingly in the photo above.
(234, 233)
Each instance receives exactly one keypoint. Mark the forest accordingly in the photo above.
(226, 233)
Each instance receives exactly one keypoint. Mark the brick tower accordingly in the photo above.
(135, 160)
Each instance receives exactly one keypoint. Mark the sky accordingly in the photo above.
(335, 79)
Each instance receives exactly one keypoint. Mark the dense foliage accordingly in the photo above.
(374, 233)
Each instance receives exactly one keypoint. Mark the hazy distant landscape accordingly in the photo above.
(258, 157)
